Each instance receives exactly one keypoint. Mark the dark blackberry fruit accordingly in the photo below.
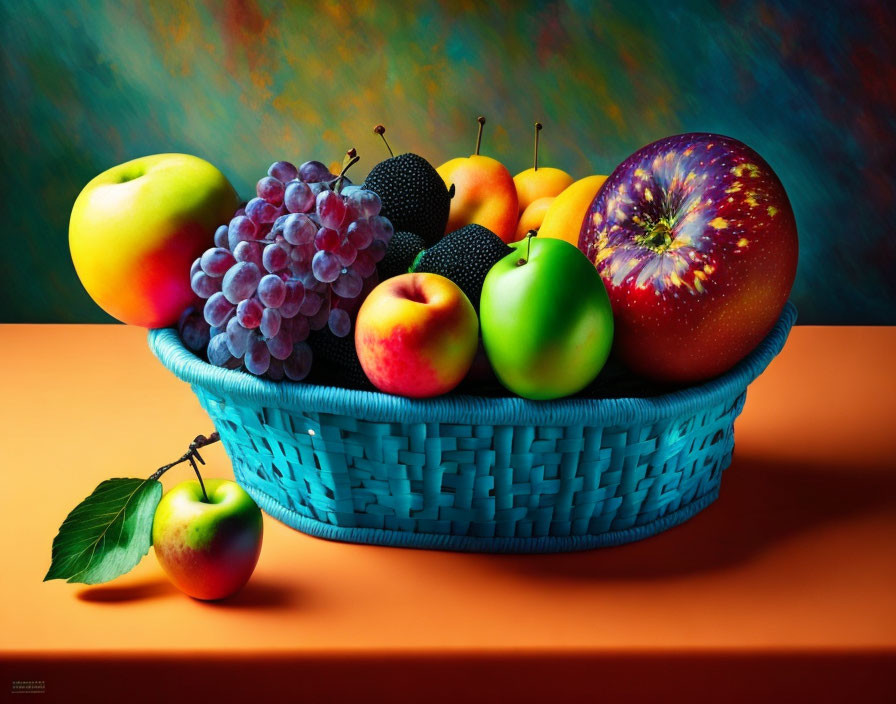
(414, 197)
(464, 256)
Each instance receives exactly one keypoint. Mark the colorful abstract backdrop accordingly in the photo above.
(811, 86)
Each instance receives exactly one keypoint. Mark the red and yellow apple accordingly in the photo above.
(207, 549)
(696, 242)
(563, 219)
(484, 194)
(416, 335)
(136, 229)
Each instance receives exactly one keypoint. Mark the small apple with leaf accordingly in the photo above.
(206, 534)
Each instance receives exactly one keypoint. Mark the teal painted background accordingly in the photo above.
(811, 86)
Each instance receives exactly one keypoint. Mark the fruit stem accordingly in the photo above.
(538, 127)
(529, 236)
(381, 131)
(191, 455)
(351, 158)
(481, 121)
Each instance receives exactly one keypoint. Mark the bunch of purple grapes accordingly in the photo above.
(296, 258)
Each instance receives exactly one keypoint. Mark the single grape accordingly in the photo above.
(249, 313)
(270, 322)
(242, 227)
(314, 171)
(326, 266)
(376, 250)
(193, 329)
(318, 321)
(364, 264)
(275, 370)
(204, 285)
(248, 252)
(219, 354)
(330, 209)
(217, 308)
(298, 229)
(221, 239)
(368, 202)
(258, 358)
(270, 189)
(216, 261)
(240, 281)
(262, 212)
(348, 285)
(195, 266)
(326, 239)
(382, 228)
(283, 171)
(237, 337)
(346, 253)
(360, 234)
(274, 257)
(298, 327)
(298, 364)
(298, 197)
(310, 304)
(295, 296)
(280, 346)
(271, 291)
(340, 323)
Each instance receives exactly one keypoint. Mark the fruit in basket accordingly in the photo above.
(696, 242)
(464, 256)
(298, 258)
(136, 227)
(400, 254)
(533, 216)
(563, 219)
(547, 325)
(416, 335)
(207, 549)
(538, 182)
(414, 197)
(484, 193)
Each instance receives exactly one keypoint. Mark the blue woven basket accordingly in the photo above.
(473, 473)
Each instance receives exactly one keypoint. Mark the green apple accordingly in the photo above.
(547, 325)
(207, 549)
(136, 229)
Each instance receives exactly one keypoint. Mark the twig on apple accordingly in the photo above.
(191, 455)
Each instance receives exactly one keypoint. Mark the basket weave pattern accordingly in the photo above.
(473, 473)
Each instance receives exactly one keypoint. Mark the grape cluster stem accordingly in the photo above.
(192, 456)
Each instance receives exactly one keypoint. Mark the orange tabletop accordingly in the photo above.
(786, 586)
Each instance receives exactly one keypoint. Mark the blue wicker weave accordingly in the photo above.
(473, 473)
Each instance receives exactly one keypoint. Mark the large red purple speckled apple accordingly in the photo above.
(696, 242)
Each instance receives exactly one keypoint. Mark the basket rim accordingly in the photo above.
(377, 406)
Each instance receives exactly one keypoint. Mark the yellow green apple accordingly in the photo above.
(208, 549)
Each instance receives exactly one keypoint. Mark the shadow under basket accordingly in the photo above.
(473, 473)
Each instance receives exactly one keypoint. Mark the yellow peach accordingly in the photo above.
(563, 220)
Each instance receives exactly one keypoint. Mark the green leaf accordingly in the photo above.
(106, 534)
